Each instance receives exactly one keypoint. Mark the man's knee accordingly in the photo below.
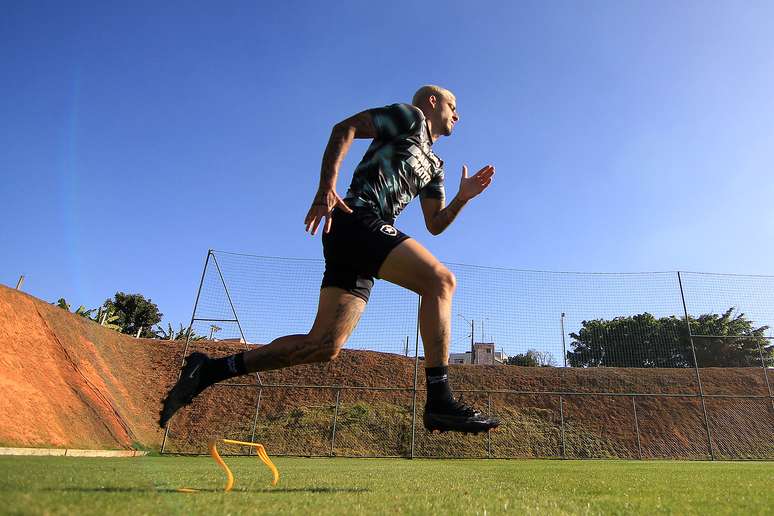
(441, 283)
(327, 346)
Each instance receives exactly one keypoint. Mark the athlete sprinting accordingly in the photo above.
(360, 243)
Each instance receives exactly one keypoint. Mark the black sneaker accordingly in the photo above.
(458, 417)
(186, 388)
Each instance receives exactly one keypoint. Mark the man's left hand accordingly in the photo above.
(475, 184)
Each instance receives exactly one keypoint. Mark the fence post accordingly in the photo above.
(255, 419)
(489, 432)
(765, 374)
(564, 344)
(20, 282)
(561, 383)
(416, 369)
(335, 417)
(561, 415)
(637, 427)
(696, 366)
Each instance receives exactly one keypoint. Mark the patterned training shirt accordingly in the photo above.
(398, 165)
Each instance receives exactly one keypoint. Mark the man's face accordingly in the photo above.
(445, 114)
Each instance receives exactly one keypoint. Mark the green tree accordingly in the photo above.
(741, 352)
(104, 315)
(528, 359)
(107, 317)
(134, 312)
(644, 341)
(170, 334)
(81, 310)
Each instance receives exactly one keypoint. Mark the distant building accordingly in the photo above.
(460, 358)
(483, 354)
(236, 339)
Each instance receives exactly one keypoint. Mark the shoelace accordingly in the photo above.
(460, 406)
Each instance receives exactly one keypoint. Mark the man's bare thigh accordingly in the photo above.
(338, 313)
(410, 265)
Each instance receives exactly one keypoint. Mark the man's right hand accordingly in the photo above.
(322, 206)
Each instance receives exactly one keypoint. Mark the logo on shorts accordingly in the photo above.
(388, 230)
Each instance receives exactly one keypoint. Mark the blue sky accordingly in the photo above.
(627, 136)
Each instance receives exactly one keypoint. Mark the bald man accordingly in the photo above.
(360, 243)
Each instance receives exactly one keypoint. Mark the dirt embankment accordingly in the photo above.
(68, 382)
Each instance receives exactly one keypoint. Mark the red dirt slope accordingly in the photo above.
(66, 381)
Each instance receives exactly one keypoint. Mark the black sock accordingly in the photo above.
(438, 391)
(219, 369)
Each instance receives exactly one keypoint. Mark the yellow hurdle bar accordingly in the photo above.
(230, 476)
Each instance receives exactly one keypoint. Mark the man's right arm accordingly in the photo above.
(360, 125)
(357, 126)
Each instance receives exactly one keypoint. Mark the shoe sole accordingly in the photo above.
(442, 424)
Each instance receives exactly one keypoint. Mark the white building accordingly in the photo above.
(483, 353)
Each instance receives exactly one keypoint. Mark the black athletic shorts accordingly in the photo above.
(355, 249)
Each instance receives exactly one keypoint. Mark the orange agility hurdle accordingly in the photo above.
(260, 450)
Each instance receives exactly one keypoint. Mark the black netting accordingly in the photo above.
(575, 365)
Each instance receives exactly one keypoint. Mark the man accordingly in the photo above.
(360, 243)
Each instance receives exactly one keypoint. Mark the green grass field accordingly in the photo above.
(147, 485)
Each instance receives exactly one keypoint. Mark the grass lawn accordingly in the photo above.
(147, 485)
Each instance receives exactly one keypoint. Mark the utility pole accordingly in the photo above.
(472, 337)
(472, 345)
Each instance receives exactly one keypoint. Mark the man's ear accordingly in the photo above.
(433, 101)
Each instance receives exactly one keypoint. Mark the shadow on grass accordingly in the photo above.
(207, 490)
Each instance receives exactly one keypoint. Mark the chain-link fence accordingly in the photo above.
(576, 365)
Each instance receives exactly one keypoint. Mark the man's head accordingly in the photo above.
(439, 106)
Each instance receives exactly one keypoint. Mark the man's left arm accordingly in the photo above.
(438, 217)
